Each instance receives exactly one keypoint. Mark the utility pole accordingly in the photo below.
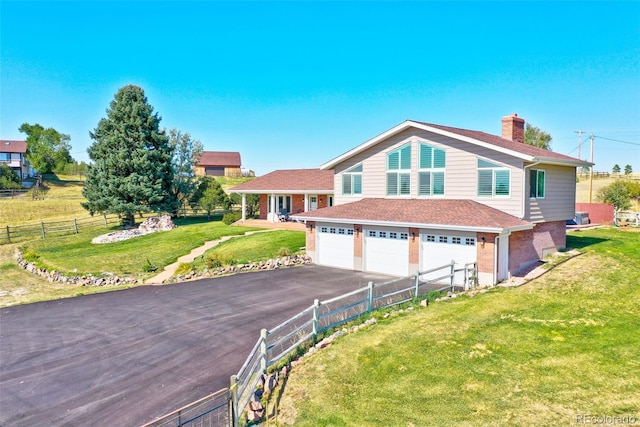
(579, 132)
(591, 177)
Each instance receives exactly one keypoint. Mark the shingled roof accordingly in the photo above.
(524, 151)
(13, 146)
(443, 213)
(289, 181)
(220, 159)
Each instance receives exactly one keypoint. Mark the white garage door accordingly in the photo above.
(386, 250)
(438, 248)
(334, 246)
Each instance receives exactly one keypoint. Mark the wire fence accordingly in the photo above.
(283, 342)
(626, 218)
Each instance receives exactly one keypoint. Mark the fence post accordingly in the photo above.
(233, 390)
(105, 220)
(417, 283)
(8, 235)
(263, 350)
(370, 286)
(316, 316)
(44, 236)
(75, 224)
(453, 273)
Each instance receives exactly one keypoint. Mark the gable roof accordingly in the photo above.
(293, 181)
(422, 213)
(220, 158)
(525, 152)
(7, 146)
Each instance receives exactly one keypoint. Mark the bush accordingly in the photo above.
(183, 268)
(149, 267)
(284, 252)
(230, 218)
(215, 260)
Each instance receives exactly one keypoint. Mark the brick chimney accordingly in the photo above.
(513, 128)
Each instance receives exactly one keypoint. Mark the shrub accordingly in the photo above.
(230, 218)
(284, 252)
(215, 260)
(149, 267)
(183, 268)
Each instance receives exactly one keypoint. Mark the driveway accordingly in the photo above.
(126, 357)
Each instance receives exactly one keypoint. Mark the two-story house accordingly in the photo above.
(13, 154)
(421, 195)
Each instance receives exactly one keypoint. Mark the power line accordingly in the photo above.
(617, 140)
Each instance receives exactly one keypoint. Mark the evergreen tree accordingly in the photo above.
(628, 170)
(132, 160)
(616, 168)
(8, 178)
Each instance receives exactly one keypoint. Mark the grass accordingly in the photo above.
(76, 253)
(564, 345)
(62, 202)
(254, 248)
(582, 189)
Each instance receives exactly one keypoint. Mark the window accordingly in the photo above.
(352, 181)
(332, 230)
(431, 238)
(393, 235)
(431, 171)
(470, 241)
(350, 232)
(443, 239)
(493, 180)
(399, 171)
(323, 229)
(372, 233)
(404, 236)
(341, 231)
(383, 234)
(536, 183)
(5, 157)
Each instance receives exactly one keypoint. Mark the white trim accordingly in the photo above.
(414, 224)
(409, 123)
(282, 191)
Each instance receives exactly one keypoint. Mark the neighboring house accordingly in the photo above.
(219, 163)
(13, 153)
(289, 192)
(421, 195)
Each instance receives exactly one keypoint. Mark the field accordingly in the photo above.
(582, 189)
(562, 347)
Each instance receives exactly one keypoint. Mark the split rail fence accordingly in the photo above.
(20, 233)
(225, 407)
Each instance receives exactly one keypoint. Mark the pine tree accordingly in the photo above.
(132, 169)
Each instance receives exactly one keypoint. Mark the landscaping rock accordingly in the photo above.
(150, 225)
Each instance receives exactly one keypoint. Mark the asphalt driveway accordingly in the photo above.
(126, 357)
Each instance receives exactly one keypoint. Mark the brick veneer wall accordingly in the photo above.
(310, 240)
(529, 246)
(264, 209)
(486, 252)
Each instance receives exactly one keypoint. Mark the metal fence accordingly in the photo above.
(626, 218)
(279, 344)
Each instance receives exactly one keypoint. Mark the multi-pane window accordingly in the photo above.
(399, 171)
(536, 183)
(431, 171)
(493, 179)
(352, 181)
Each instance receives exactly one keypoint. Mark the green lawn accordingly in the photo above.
(254, 248)
(76, 254)
(565, 345)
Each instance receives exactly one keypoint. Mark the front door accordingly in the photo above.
(313, 203)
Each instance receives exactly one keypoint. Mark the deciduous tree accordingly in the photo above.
(132, 167)
(537, 137)
(186, 152)
(47, 149)
(210, 195)
(628, 170)
(616, 194)
(8, 178)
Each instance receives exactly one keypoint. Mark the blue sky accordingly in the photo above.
(295, 84)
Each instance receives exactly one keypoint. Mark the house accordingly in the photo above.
(219, 163)
(420, 195)
(13, 153)
(289, 191)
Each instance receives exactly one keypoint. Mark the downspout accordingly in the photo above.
(524, 187)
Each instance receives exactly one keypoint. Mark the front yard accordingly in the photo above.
(558, 350)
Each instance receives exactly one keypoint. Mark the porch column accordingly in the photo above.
(273, 214)
(306, 202)
(244, 207)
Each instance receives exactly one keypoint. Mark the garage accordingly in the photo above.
(386, 250)
(335, 245)
(438, 248)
